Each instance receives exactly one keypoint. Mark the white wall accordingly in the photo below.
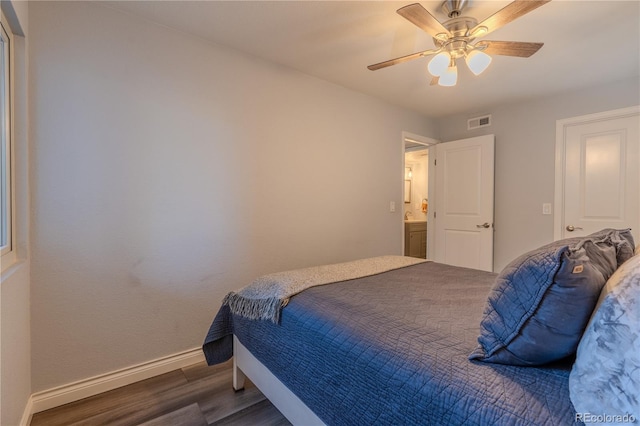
(167, 172)
(15, 344)
(525, 156)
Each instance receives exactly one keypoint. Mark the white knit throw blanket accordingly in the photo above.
(265, 297)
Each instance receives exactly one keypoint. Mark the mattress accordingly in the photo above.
(393, 349)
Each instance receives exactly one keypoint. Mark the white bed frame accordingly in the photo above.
(247, 365)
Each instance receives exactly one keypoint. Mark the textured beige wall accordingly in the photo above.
(168, 171)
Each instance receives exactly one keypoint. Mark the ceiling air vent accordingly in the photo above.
(478, 122)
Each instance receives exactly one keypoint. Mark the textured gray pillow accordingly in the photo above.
(541, 302)
(605, 378)
(621, 239)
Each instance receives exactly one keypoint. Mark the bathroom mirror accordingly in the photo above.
(407, 191)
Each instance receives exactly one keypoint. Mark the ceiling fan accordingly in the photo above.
(456, 38)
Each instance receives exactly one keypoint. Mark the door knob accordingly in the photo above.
(572, 228)
(484, 225)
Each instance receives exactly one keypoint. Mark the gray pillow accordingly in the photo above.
(622, 239)
(541, 302)
(605, 378)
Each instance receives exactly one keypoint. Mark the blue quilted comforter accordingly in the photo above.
(392, 349)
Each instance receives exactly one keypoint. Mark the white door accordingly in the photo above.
(464, 203)
(598, 181)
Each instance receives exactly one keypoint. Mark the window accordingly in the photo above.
(6, 213)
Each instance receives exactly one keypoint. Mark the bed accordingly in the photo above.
(391, 348)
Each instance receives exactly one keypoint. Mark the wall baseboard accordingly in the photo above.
(75, 391)
(28, 413)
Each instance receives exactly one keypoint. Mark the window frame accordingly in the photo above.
(7, 189)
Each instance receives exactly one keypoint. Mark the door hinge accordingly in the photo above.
(435, 161)
(434, 215)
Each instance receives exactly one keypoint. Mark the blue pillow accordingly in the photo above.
(541, 302)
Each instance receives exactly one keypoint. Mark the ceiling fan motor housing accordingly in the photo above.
(459, 28)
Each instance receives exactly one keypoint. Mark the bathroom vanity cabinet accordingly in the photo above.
(415, 239)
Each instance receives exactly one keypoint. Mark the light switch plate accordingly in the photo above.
(392, 206)
(546, 208)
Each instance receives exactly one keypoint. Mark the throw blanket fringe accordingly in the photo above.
(257, 309)
(265, 297)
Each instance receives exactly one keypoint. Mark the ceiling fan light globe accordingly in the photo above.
(438, 64)
(477, 61)
(449, 78)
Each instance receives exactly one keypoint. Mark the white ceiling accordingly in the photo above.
(586, 43)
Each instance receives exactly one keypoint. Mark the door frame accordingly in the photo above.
(561, 135)
(429, 143)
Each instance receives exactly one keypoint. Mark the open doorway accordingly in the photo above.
(416, 194)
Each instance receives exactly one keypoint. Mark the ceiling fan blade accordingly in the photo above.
(420, 17)
(509, 48)
(401, 59)
(505, 15)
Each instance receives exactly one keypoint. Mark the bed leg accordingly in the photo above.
(238, 376)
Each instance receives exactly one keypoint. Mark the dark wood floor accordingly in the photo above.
(194, 395)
